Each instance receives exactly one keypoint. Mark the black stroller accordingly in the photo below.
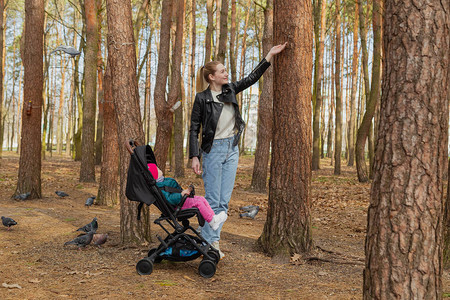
(178, 245)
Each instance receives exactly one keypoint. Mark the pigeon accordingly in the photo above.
(68, 49)
(89, 201)
(100, 239)
(61, 194)
(81, 241)
(90, 227)
(22, 196)
(251, 213)
(248, 207)
(8, 222)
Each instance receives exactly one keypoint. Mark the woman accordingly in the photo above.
(216, 111)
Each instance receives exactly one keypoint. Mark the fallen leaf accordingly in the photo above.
(34, 280)
(188, 278)
(296, 259)
(322, 273)
(11, 286)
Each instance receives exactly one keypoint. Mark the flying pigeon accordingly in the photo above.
(68, 49)
(90, 227)
(100, 239)
(8, 222)
(22, 196)
(90, 201)
(251, 213)
(61, 194)
(81, 241)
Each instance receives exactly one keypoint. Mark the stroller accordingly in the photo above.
(178, 245)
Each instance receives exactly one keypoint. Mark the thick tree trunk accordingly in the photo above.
(288, 226)
(100, 96)
(29, 178)
(352, 125)
(163, 114)
(337, 78)
(233, 41)
(446, 246)
(108, 190)
(404, 231)
(319, 25)
(122, 52)
(265, 111)
(191, 98)
(87, 169)
(223, 32)
(209, 30)
(366, 124)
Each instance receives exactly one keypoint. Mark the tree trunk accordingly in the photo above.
(87, 169)
(108, 190)
(319, 25)
(404, 230)
(233, 41)
(163, 114)
(209, 30)
(60, 126)
(352, 125)
(287, 230)
(446, 246)
(122, 52)
(29, 178)
(100, 99)
(371, 105)
(265, 111)
(223, 32)
(2, 30)
(191, 98)
(337, 78)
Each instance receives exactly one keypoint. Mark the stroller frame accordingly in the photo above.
(141, 187)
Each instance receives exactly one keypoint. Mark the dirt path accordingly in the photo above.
(32, 254)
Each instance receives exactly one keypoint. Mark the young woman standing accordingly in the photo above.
(216, 112)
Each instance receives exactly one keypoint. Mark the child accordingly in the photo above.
(196, 201)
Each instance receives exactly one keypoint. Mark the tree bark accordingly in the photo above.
(60, 126)
(337, 78)
(29, 178)
(446, 246)
(265, 111)
(100, 96)
(319, 25)
(122, 52)
(233, 41)
(288, 225)
(366, 124)
(404, 231)
(353, 112)
(108, 190)
(209, 30)
(223, 32)
(87, 169)
(2, 30)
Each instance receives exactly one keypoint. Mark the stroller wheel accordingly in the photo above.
(158, 258)
(144, 267)
(207, 268)
(214, 255)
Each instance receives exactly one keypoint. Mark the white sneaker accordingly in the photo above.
(216, 245)
(217, 220)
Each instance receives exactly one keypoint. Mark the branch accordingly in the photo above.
(62, 23)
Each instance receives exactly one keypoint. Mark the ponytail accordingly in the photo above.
(203, 73)
(200, 83)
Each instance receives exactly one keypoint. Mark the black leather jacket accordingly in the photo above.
(206, 112)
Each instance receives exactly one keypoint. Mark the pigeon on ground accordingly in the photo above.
(90, 227)
(22, 196)
(61, 194)
(100, 239)
(248, 207)
(8, 222)
(251, 214)
(81, 241)
(68, 49)
(90, 201)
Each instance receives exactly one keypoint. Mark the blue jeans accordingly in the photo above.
(219, 172)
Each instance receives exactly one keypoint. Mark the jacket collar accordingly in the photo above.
(226, 96)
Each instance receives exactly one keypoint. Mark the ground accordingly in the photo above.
(34, 258)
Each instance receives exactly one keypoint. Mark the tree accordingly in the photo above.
(2, 29)
(337, 78)
(209, 30)
(122, 56)
(29, 179)
(265, 110)
(446, 223)
(87, 169)
(223, 32)
(288, 225)
(403, 243)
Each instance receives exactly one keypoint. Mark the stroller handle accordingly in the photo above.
(130, 145)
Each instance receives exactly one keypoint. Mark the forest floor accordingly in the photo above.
(34, 264)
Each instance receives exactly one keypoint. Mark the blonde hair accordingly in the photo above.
(202, 81)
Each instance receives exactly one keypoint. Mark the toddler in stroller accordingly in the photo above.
(178, 245)
(173, 193)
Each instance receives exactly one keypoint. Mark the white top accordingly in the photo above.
(226, 122)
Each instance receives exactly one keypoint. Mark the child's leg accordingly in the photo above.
(202, 205)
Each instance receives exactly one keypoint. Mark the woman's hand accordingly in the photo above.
(275, 50)
(196, 165)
